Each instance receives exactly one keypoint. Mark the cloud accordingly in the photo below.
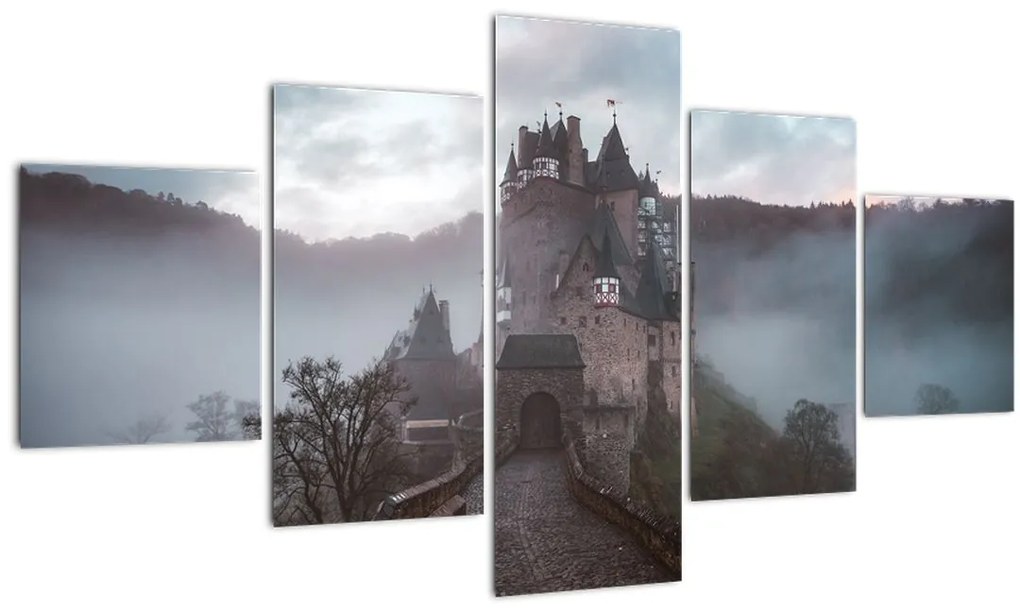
(581, 65)
(773, 159)
(358, 162)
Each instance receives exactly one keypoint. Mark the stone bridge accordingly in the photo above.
(447, 493)
(548, 540)
(564, 519)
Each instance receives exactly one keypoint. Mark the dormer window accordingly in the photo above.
(607, 291)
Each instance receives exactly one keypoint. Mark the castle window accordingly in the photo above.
(674, 370)
(651, 340)
(672, 338)
(597, 319)
(585, 267)
(563, 320)
(612, 206)
(598, 422)
(582, 322)
(633, 385)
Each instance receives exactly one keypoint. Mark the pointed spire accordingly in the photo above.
(511, 167)
(545, 142)
(648, 188)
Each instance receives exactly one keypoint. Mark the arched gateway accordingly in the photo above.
(540, 422)
(539, 386)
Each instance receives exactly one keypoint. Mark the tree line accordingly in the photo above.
(72, 201)
(216, 419)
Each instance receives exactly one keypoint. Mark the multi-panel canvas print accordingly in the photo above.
(589, 139)
(772, 225)
(938, 318)
(139, 305)
(378, 305)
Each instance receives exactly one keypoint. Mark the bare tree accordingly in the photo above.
(336, 448)
(247, 419)
(143, 431)
(214, 419)
(936, 399)
(813, 431)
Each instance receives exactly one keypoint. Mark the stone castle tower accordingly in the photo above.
(587, 250)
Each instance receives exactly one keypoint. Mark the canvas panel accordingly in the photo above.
(588, 333)
(139, 305)
(378, 305)
(772, 221)
(938, 318)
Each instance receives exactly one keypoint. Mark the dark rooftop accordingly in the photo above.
(530, 351)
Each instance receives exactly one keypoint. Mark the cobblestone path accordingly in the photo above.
(547, 541)
(474, 494)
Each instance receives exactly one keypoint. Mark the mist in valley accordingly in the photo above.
(938, 304)
(777, 321)
(348, 298)
(131, 308)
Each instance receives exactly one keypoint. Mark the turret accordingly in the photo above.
(606, 284)
(546, 161)
(508, 187)
(649, 217)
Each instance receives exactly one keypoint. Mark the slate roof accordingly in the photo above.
(425, 336)
(511, 168)
(540, 351)
(650, 297)
(604, 224)
(604, 262)
(648, 188)
(546, 147)
(612, 170)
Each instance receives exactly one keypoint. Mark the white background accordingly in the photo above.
(934, 522)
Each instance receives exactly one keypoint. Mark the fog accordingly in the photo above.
(777, 320)
(939, 306)
(348, 298)
(115, 329)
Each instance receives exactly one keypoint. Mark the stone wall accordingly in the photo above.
(515, 386)
(605, 446)
(613, 342)
(543, 220)
(469, 434)
(657, 534)
(431, 497)
(672, 365)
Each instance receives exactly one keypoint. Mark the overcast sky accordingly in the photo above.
(773, 159)
(229, 191)
(354, 163)
(581, 65)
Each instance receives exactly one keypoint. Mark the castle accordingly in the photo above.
(588, 325)
(446, 384)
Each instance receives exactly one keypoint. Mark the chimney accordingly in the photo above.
(576, 153)
(522, 135)
(444, 311)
